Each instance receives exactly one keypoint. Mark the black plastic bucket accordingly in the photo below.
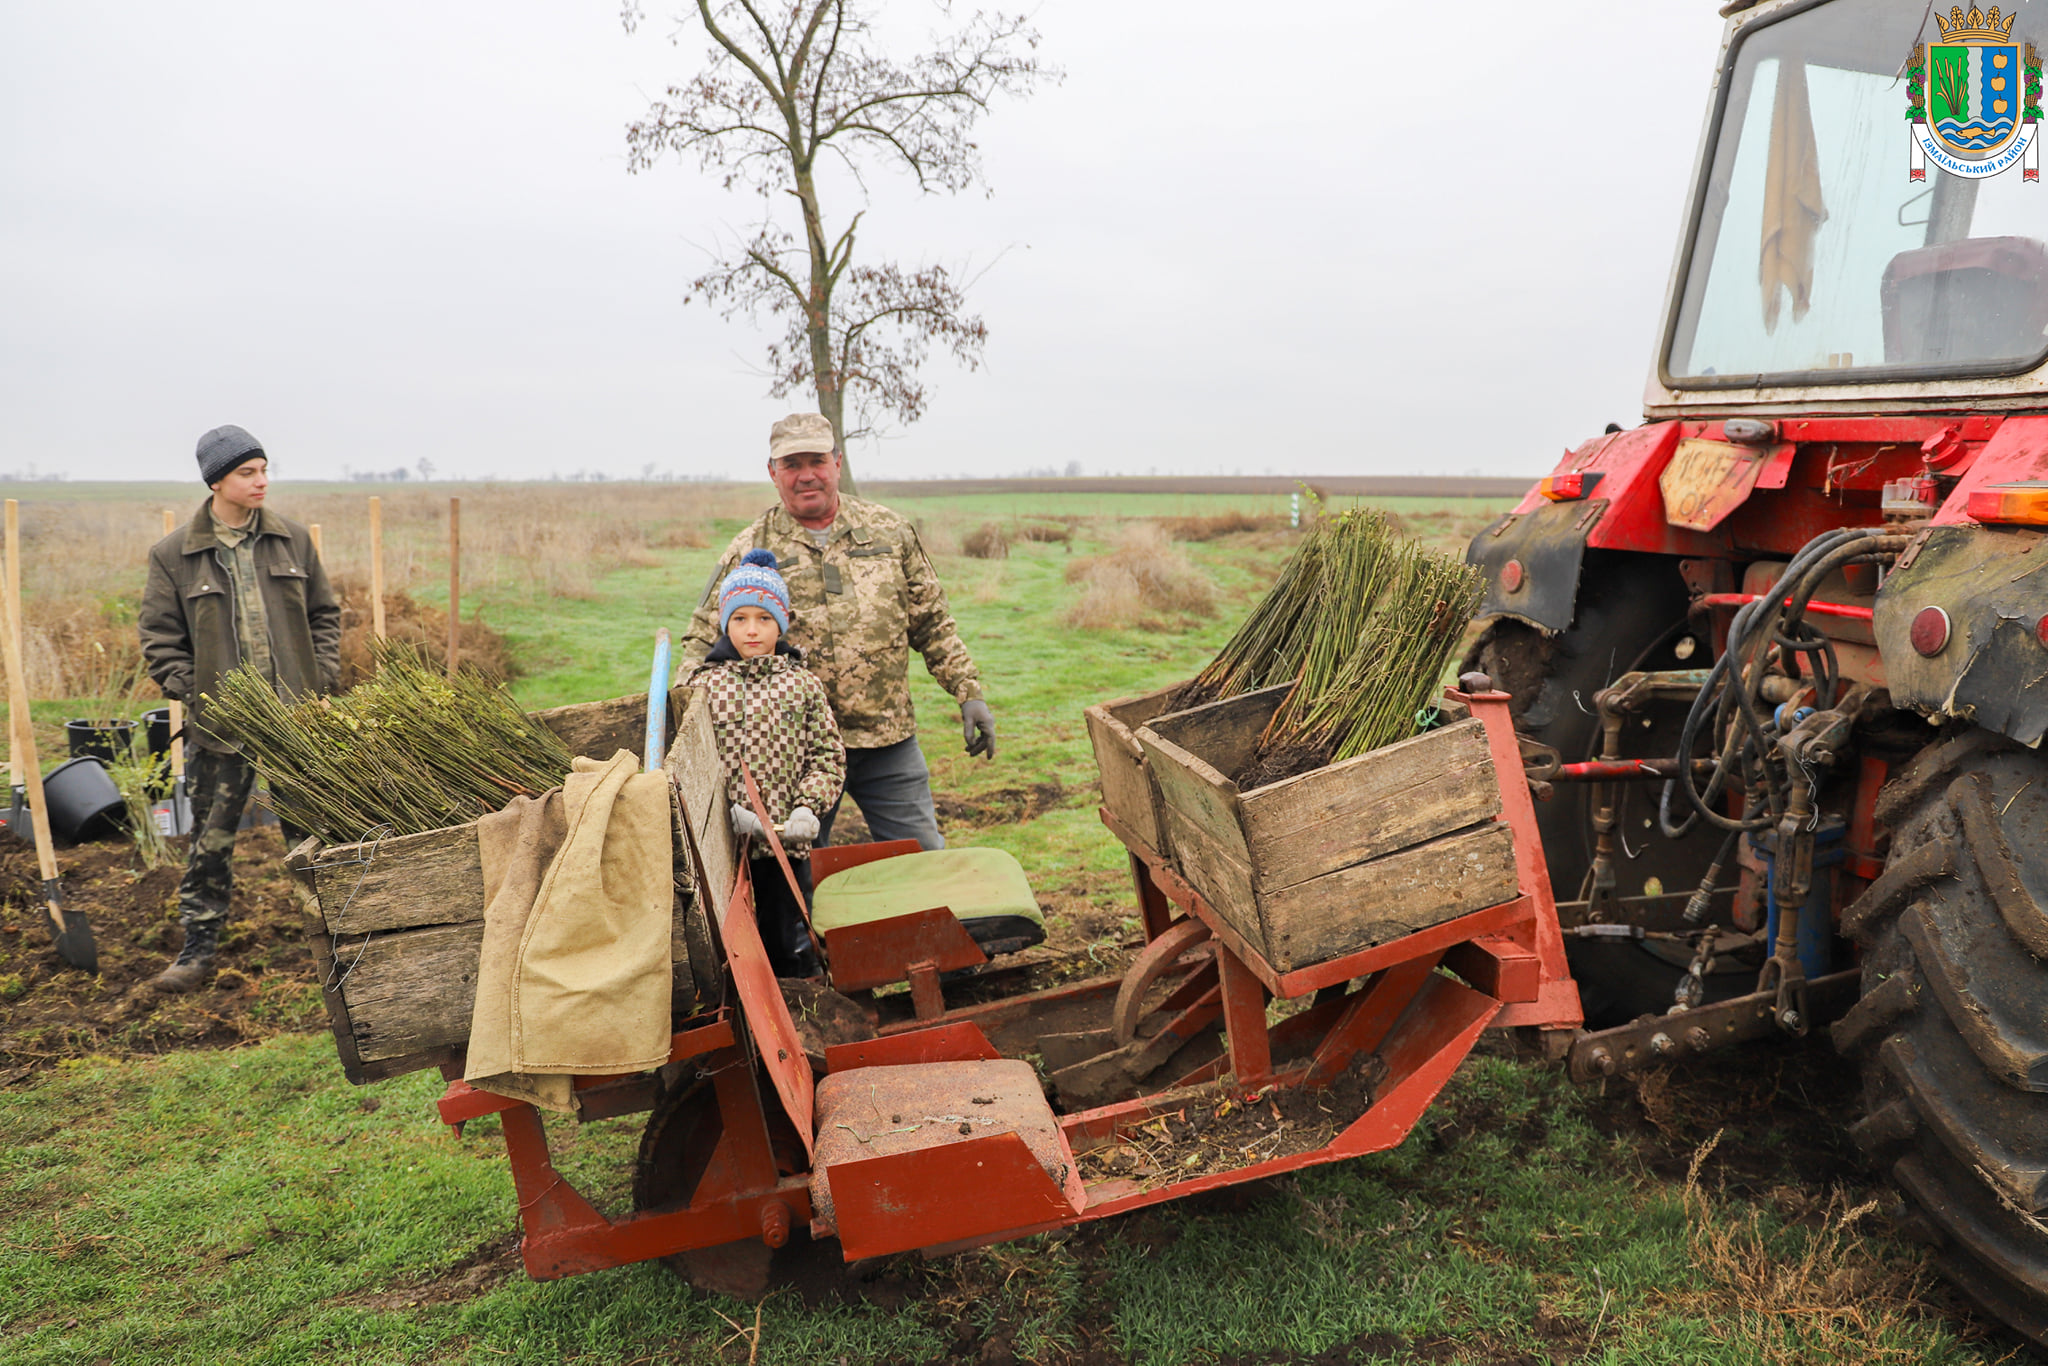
(156, 726)
(107, 740)
(156, 730)
(84, 803)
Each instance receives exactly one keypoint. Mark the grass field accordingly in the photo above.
(247, 1205)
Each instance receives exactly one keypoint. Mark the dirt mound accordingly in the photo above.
(418, 624)
(53, 1011)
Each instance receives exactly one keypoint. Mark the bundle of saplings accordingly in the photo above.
(406, 750)
(1362, 622)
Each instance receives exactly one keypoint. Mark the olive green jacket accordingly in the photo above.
(188, 624)
(857, 610)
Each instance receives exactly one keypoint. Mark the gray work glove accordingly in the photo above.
(978, 728)
(801, 827)
(744, 823)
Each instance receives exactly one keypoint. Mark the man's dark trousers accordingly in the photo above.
(893, 789)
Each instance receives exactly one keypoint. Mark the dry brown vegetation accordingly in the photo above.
(1143, 578)
(1806, 1285)
(1048, 533)
(1235, 522)
(84, 558)
(985, 542)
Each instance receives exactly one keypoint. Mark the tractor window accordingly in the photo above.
(1816, 254)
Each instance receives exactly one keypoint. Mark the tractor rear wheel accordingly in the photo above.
(1631, 614)
(1952, 1028)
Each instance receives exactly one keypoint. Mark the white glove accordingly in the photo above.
(801, 827)
(744, 823)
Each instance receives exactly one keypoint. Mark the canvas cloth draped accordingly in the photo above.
(574, 975)
(1793, 206)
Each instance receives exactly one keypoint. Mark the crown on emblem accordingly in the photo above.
(1976, 26)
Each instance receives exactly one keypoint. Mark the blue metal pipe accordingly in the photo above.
(657, 702)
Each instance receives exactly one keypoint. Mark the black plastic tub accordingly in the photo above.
(156, 726)
(84, 803)
(108, 740)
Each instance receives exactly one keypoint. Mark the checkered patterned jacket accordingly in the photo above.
(856, 609)
(773, 711)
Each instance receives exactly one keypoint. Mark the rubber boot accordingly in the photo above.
(195, 961)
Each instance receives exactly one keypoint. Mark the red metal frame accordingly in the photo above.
(1418, 1021)
(1814, 606)
(1824, 472)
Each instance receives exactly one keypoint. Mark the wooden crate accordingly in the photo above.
(399, 923)
(1127, 787)
(598, 730)
(1338, 859)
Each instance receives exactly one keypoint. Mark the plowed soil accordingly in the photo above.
(50, 1010)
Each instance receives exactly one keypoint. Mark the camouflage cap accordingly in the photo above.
(799, 433)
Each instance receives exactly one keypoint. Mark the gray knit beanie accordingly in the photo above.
(222, 449)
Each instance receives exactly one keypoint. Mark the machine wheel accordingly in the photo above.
(1631, 612)
(1630, 615)
(1952, 1028)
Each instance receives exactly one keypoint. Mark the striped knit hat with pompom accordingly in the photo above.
(755, 583)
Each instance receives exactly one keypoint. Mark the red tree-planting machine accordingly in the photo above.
(1774, 664)
(1316, 962)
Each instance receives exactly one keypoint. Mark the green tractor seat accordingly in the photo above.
(889, 916)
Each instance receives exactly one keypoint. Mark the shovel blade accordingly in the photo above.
(74, 937)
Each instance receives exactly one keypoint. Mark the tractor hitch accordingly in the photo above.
(1654, 1040)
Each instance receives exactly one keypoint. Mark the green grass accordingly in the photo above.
(249, 1206)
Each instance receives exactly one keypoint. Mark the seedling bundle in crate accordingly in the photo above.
(1309, 767)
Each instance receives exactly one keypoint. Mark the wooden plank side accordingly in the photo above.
(1224, 734)
(598, 730)
(1224, 882)
(1204, 800)
(1372, 903)
(1127, 787)
(700, 778)
(410, 991)
(435, 878)
(1408, 792)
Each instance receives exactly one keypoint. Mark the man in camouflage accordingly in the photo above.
(238, 585)
(863, 594)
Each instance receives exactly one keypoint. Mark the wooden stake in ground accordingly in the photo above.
(377, 567)
(70, 928)
(177, 707)
(315, 529)
(454, 581)
(17, 721)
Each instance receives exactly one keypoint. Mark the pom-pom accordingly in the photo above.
(764, 558)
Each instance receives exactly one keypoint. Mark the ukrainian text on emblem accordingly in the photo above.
(1974, 98)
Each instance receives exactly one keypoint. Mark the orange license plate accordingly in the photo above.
(1707, 480)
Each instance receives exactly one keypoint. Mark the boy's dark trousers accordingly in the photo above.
(220, 786)
(783, 931)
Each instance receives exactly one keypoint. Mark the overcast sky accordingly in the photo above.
(1327, 237)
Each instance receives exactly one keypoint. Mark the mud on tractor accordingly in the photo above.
(1779, 654)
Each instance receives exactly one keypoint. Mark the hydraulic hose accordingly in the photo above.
(1733, 690)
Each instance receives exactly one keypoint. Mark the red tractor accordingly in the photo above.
(1780, 654)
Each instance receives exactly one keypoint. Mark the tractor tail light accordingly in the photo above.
(1565, 488)
(2024, 504)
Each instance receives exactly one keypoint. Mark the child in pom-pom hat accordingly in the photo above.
(769, 710)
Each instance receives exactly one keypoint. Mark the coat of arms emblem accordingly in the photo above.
(1974, 98)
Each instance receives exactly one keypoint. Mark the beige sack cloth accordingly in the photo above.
(574, 976)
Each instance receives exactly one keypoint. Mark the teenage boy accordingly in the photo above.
(239, 585)
(771, 712)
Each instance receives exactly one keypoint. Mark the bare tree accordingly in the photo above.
(786, 83)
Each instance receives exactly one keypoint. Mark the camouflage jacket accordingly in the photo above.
(772, 711)
(858, 608)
